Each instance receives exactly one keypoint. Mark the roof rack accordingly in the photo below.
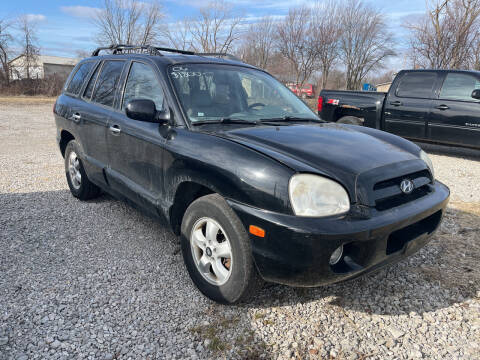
(118, 49)
(139, 49)
(225, 55)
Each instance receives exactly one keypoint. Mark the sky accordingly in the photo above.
(63, 27)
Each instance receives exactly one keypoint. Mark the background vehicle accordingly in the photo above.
(253, 182)
(305, 91)
(434, 105)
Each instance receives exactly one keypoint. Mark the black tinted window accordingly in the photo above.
(89, 90)
(459, 87)
(142, 83)
(107, 83)
(77, 81)
(416, 85)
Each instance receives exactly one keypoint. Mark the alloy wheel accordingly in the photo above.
(74, 170)
(211, 250)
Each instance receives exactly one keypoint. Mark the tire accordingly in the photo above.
(80, 186)
(353, 120)
(241, 279)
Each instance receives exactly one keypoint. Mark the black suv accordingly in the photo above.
(255, 184)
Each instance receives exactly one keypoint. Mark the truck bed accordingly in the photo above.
(366, 105)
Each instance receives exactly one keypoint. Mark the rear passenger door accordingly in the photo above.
(136, 147)
(73, 104)
(455, 115)
(408, 106)
(99, 97)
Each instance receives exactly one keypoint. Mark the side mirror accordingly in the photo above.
(145, 110)
(476, 94)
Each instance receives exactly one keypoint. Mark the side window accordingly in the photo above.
(142, 83)
(417, 85)
(107, 82)
(77, 81)
(91, 83)
(459, 87)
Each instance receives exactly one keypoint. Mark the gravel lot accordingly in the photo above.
(100, 280)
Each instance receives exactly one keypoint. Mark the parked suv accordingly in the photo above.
(253, 182)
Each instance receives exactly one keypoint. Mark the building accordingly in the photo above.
(44, 66)
(384, 87)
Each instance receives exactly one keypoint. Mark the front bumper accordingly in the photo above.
(296, 250)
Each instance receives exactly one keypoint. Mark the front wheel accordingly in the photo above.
(217, 252)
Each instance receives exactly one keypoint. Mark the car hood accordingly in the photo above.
(342, 152)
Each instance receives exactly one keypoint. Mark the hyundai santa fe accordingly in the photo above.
(255, 185)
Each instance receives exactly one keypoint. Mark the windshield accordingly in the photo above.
(212, 92)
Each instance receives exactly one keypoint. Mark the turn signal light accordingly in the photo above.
(255, 230)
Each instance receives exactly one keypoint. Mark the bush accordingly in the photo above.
(51, 86)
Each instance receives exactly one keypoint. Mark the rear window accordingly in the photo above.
(107, 82)
(78, 79)
(417, 85)
(91, 83)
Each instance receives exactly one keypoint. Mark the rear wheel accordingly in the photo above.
(353, 120)
(78, 182)
(217, 252)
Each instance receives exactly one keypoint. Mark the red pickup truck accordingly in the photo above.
(305, 91)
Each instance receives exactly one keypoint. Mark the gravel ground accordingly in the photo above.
(100, 280)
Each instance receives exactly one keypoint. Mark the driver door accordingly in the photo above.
(136, 147)
(455, 115)
(407, 107)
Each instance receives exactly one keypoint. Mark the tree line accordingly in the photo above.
(337, 44)
(24, 43)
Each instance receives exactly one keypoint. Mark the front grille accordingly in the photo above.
(388, 195)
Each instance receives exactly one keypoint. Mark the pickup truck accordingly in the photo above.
(305, 91)
(441, 106)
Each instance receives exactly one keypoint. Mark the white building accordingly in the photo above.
(44, 66)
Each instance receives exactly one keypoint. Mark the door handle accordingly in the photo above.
(396, 103)
(442, 107)
(76, 117)
(115, 129)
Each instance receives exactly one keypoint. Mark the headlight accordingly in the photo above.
(424, 157)
(315, 196)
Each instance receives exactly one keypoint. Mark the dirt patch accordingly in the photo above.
(458, 244)
(26, 100)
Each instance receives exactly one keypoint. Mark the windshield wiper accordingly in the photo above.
(225, 120)
(290, 118)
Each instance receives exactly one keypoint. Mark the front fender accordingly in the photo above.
(227, 168)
